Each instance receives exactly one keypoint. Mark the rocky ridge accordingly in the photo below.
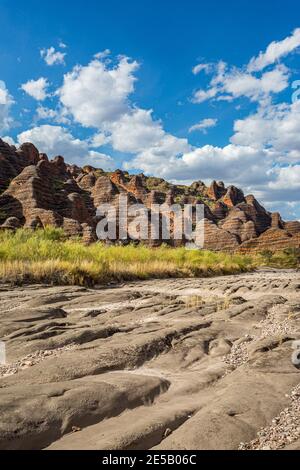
(36, 191)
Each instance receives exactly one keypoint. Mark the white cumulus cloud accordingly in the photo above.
(201, 67)
(58, 115)
(37, 89)
(231, 83)
(234, 164)
(287, 177)
(135, 131)
(203, 125)
(96, 93)
(275, 51)
(99, 139)
(276, 127)
(102, 54)
(6, 101)
(56, 140)
(53, 57)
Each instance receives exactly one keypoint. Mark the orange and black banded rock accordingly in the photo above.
(36, 192)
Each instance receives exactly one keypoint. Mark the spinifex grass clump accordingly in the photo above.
(48, 256)
(288, 258)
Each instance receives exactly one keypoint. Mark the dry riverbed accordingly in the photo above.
(166, 364)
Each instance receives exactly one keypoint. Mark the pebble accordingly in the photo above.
(284, 428)
(271, 326)
(32, 360)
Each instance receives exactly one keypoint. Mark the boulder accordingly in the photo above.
(12, 223)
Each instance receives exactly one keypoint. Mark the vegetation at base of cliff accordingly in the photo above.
(288, 258)
(47, 256)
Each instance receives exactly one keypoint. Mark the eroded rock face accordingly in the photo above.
(218, 239)
(272, 239)
(233, 196)
(136, 186)
(216, 191)
(277, 221)
(208, 360)
(258, 214)
(35, 192)
(292, 227)
(13, 161)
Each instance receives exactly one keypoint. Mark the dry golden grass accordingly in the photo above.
(47, 256)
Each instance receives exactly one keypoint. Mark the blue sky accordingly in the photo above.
(183, 90)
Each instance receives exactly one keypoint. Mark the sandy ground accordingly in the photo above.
(165, 364)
